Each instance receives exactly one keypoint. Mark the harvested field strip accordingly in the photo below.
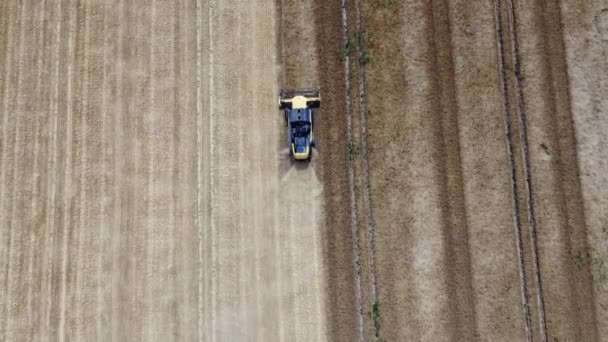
(110, 180)
(512, 170)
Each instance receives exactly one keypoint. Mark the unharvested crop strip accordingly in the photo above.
(509, 145)
(369, 222)
(351, 174)
(523, 132)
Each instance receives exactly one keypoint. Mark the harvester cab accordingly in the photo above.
(298, 105)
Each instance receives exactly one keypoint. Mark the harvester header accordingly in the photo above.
(300, 98)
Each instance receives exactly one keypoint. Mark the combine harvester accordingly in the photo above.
(298, 105)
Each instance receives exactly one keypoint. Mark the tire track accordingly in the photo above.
(163, 154)
(292, 221)
(67, 183)
(149, 129)
(6, 243)
(40, 56)
(278, 214)
(512, 171)
(52, 182)
(256, 276)
(93, 171)
(6, 240)
(351, 177)
(519, 99)
(140, 153)
(279, 264)
(213, 231)
(263, 160)
(228, 200)
(16, 143)
(484, 161)
(200, 224)
(103, 318)
(82, 170)
(45, 109)
(369, 220)
(243, 167)
(185, 242)
(121, 203)
(134, 245)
